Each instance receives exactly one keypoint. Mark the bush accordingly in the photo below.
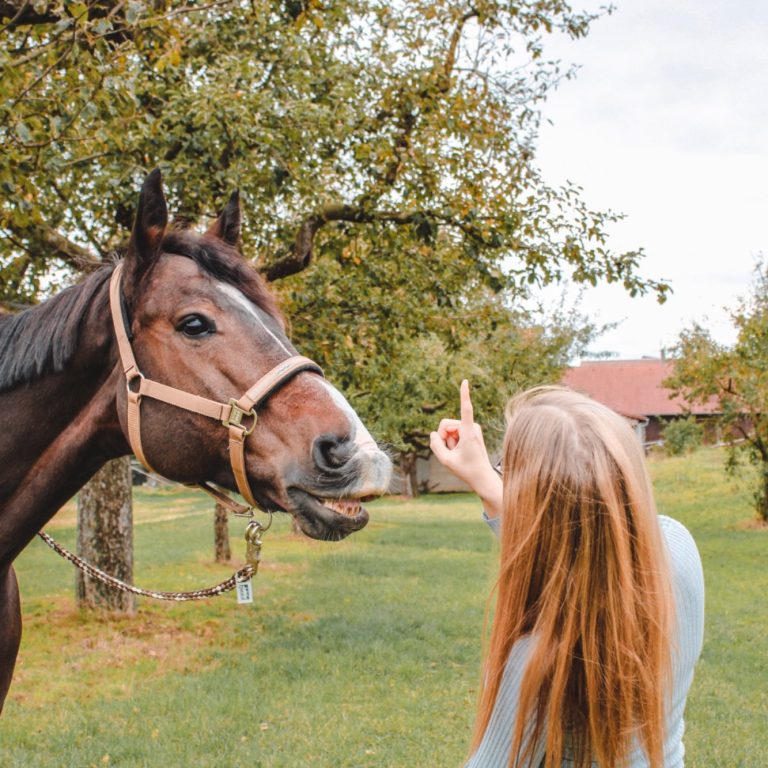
(682, 436)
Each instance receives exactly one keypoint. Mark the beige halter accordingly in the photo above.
(237, 416)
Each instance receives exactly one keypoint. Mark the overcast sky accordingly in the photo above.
(667, 122)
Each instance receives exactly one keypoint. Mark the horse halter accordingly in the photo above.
(237, 416)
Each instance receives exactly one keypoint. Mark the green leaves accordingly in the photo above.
(301, 106)
(735, 380)
(399, 334)
(393, 144)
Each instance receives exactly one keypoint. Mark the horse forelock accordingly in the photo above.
(43, 339)
(223, 262)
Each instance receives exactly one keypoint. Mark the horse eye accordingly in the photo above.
(195, 326)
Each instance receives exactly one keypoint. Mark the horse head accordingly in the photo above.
(203, 321)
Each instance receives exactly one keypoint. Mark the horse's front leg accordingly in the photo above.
(10, 629)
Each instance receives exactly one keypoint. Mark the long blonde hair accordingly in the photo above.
(584, 572)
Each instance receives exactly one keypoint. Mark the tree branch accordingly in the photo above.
(301, 256)
(407, 119)
(418, 440)
(407, 122)
(21, 12)
(12, 307)
(45, 74)
(430, 408)
(761, 448)
(43, 238)
(79, 219)
(24, 13)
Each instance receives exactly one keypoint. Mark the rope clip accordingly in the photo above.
(253, 543)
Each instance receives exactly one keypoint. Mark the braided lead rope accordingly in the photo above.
(243, 574)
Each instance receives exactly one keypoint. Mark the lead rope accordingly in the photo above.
(239, 579)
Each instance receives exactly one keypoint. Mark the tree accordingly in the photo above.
(395, 137)
(736, 378)
(105, 536)
(221, 548)
(399, 352)
(682, 436)
(365, 116)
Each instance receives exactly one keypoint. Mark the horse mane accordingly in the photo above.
(42, 340)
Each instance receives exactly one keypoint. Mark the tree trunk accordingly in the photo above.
(762, 495)
(409, 467)
(221, 535)
(105, 536)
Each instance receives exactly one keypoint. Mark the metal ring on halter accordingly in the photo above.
(135, 376)
(236, 415)
(265, 528)
(250, 514)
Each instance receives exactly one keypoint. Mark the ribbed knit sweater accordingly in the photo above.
(688, 579)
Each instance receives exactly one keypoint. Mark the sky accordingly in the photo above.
(667, 122)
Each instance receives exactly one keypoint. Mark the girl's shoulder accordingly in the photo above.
(688, 577)
(670, 524)
(683, 552)
(679, 540)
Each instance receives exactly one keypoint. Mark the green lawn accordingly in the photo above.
(361, 653)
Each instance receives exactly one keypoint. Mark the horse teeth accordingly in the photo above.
(348, 507)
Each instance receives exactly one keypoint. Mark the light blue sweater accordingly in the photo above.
(688, 578)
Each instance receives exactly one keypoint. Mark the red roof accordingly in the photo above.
(631, 387)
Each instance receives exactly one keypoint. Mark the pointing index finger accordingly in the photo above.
(467, 413)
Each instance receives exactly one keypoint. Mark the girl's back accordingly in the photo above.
(688, 585)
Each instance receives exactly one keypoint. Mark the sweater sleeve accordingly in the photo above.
(688, 585)
(493, 751)
(493, 523)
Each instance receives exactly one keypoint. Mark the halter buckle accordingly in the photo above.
(236, 415)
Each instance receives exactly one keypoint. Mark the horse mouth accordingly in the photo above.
(326, 519)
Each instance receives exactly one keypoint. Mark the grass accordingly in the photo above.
(361, 653)
(727, 713)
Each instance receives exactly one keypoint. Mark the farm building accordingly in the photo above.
(634, 389)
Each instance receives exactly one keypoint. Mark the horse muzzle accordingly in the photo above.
(329, 506)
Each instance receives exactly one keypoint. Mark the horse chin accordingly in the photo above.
(326, 519)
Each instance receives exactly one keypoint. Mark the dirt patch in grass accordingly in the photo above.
(143, 513)
(753, 525)
(98, 653)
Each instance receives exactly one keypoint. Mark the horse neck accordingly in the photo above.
(58, 430)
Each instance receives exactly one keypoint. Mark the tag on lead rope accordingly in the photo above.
(244, 592)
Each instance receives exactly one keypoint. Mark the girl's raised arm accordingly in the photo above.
(459, 446)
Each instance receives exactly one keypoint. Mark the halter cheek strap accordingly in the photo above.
(238, 416)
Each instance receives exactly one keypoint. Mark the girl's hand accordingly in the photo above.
(459, 447)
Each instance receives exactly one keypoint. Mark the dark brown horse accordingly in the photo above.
(202, 321)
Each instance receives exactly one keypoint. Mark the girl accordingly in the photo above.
(600, 602)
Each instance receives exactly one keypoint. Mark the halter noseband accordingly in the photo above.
(238, 416)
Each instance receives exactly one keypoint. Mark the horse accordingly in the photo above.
(194, 319)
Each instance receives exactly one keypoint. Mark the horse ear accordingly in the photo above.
(227, 226)
(150, 224)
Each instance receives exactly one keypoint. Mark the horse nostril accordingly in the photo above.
(332, 452)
